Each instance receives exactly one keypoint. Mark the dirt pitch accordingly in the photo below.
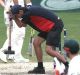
(23, 68)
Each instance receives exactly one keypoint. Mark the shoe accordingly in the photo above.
(3, 56)
(37, 70)
(19, 60)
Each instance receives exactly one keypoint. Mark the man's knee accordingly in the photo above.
(50, 49)
(38, 41)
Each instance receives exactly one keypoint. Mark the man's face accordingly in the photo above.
(67, 51)
(20, 14)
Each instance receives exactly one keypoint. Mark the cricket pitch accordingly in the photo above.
(23, 68)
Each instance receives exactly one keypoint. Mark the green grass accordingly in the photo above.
(2, 28)
(71, 22)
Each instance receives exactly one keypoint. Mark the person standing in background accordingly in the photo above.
(17, 34)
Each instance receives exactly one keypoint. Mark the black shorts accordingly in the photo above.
(53, 37)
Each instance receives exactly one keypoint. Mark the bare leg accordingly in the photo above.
(52, 52)
(38, 50)
(37, 46)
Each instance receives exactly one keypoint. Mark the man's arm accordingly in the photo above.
(15, 2)
(2, 3)
(27, 2)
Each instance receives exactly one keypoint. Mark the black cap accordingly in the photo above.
(15, 9)
(72, 45)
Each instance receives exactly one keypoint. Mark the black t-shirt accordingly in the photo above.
(40, 19)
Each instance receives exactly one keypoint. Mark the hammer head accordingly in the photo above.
(9, 51)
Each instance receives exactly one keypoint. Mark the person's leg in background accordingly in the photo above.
(18, 38)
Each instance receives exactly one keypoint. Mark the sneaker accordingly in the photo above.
(3, 56)
(37, 70)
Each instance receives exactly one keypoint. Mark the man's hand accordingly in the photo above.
(11, 15)
(66, 67)
(14, 17)
(2, 3)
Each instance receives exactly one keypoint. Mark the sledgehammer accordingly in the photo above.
(9, 51)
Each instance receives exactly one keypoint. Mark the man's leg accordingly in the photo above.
(52, 52)
(52, 41)
(38, 50)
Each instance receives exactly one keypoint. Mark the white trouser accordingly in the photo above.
(18, 35)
